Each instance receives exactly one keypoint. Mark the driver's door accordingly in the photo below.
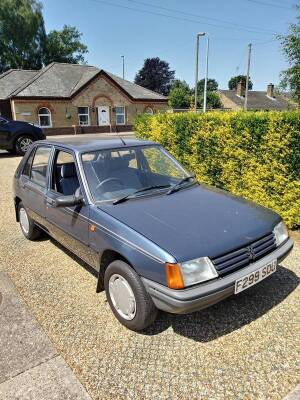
(69, 225)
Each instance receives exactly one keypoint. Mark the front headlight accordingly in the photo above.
(198, 270)
(281, 233)
(189, 273)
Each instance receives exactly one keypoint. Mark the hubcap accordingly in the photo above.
(25, 143)
(122, 296)
(24, 220)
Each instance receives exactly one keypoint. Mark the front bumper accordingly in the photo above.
(206, 294)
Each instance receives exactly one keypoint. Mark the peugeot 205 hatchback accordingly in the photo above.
(156, 237)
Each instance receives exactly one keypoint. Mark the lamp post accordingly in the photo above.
(206, 74)
(197, 67)
(123, 66)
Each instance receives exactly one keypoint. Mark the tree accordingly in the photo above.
(24, 43)
(155, 75)
(212, 85)
(291, 48)
(180, 94)
(22, 34)
(177, 83)
(64, 46)
(233, 82)
(213, 101)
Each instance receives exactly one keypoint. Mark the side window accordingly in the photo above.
(27, 166)
(64, 175)
(40, 166)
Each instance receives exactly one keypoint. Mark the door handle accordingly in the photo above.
(24, 185)
(50, 201)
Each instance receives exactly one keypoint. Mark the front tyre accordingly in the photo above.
(127, 296)
(22, 144)
(28, 227)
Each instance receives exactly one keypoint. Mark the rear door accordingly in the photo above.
(34, 182)
(69, 225)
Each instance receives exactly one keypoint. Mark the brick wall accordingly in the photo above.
(100, 92)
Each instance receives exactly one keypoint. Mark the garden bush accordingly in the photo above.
(252, 154)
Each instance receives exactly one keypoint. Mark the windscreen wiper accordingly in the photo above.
(124, 198)
(177, 185)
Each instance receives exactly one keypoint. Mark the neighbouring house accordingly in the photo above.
(63, 98)
(257, 100)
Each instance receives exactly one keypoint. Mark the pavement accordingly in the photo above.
(30, 367)
(93, 135)
(246, 347)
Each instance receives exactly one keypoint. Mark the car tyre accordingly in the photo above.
(28, 227)
(22, 143)
(127, 296)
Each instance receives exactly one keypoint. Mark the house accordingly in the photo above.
(62, 98)
(257, 100)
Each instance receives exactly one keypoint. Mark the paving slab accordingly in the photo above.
(52, 380)
(294, 394)
(23, 344)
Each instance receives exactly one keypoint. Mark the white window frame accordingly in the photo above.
(45, 115)
(123, 114)
(149, 108)
(80, 114)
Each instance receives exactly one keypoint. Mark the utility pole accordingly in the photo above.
(123, 66)
(197, 67)
(247, 77)
(206, 75)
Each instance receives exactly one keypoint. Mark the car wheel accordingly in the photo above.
(28, 227)
(127, 296)
(22, 144)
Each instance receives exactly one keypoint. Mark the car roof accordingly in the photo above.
(83, 145)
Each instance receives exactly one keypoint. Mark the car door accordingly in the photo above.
(4, 132)
(34, 182)
(69, 225)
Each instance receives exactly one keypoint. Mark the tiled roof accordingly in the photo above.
(12, 80)
(57, 80)
(136, 91)
(64, 80)
(258, 100)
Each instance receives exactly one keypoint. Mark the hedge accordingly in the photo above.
(252, 154)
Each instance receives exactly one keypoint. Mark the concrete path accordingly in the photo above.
(93, 135)
(30, 367)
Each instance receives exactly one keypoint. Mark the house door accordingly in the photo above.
(103, 116)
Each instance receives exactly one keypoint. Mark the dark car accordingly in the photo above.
(17, 136)
(156, 238)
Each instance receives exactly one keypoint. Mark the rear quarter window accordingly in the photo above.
(27, 166)
(40, 165)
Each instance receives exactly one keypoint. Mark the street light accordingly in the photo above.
(206, 74)
(197, 68)
(123, 65)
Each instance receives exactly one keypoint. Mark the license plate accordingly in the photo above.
(254, 277)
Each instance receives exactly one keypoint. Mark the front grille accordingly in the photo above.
(242, 257)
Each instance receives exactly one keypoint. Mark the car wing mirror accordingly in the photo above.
(68, 201)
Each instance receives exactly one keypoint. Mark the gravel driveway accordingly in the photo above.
(246, 347)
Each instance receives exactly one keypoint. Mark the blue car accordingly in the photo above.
(157, 239)
(17, 136)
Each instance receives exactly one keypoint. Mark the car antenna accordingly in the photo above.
(122, 140)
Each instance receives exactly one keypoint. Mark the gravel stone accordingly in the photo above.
(246, 347)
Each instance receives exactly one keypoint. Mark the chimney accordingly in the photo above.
(240, 90)
(270, 90)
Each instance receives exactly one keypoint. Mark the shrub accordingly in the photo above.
(255, 155)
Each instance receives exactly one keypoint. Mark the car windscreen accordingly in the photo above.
(113, 173)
